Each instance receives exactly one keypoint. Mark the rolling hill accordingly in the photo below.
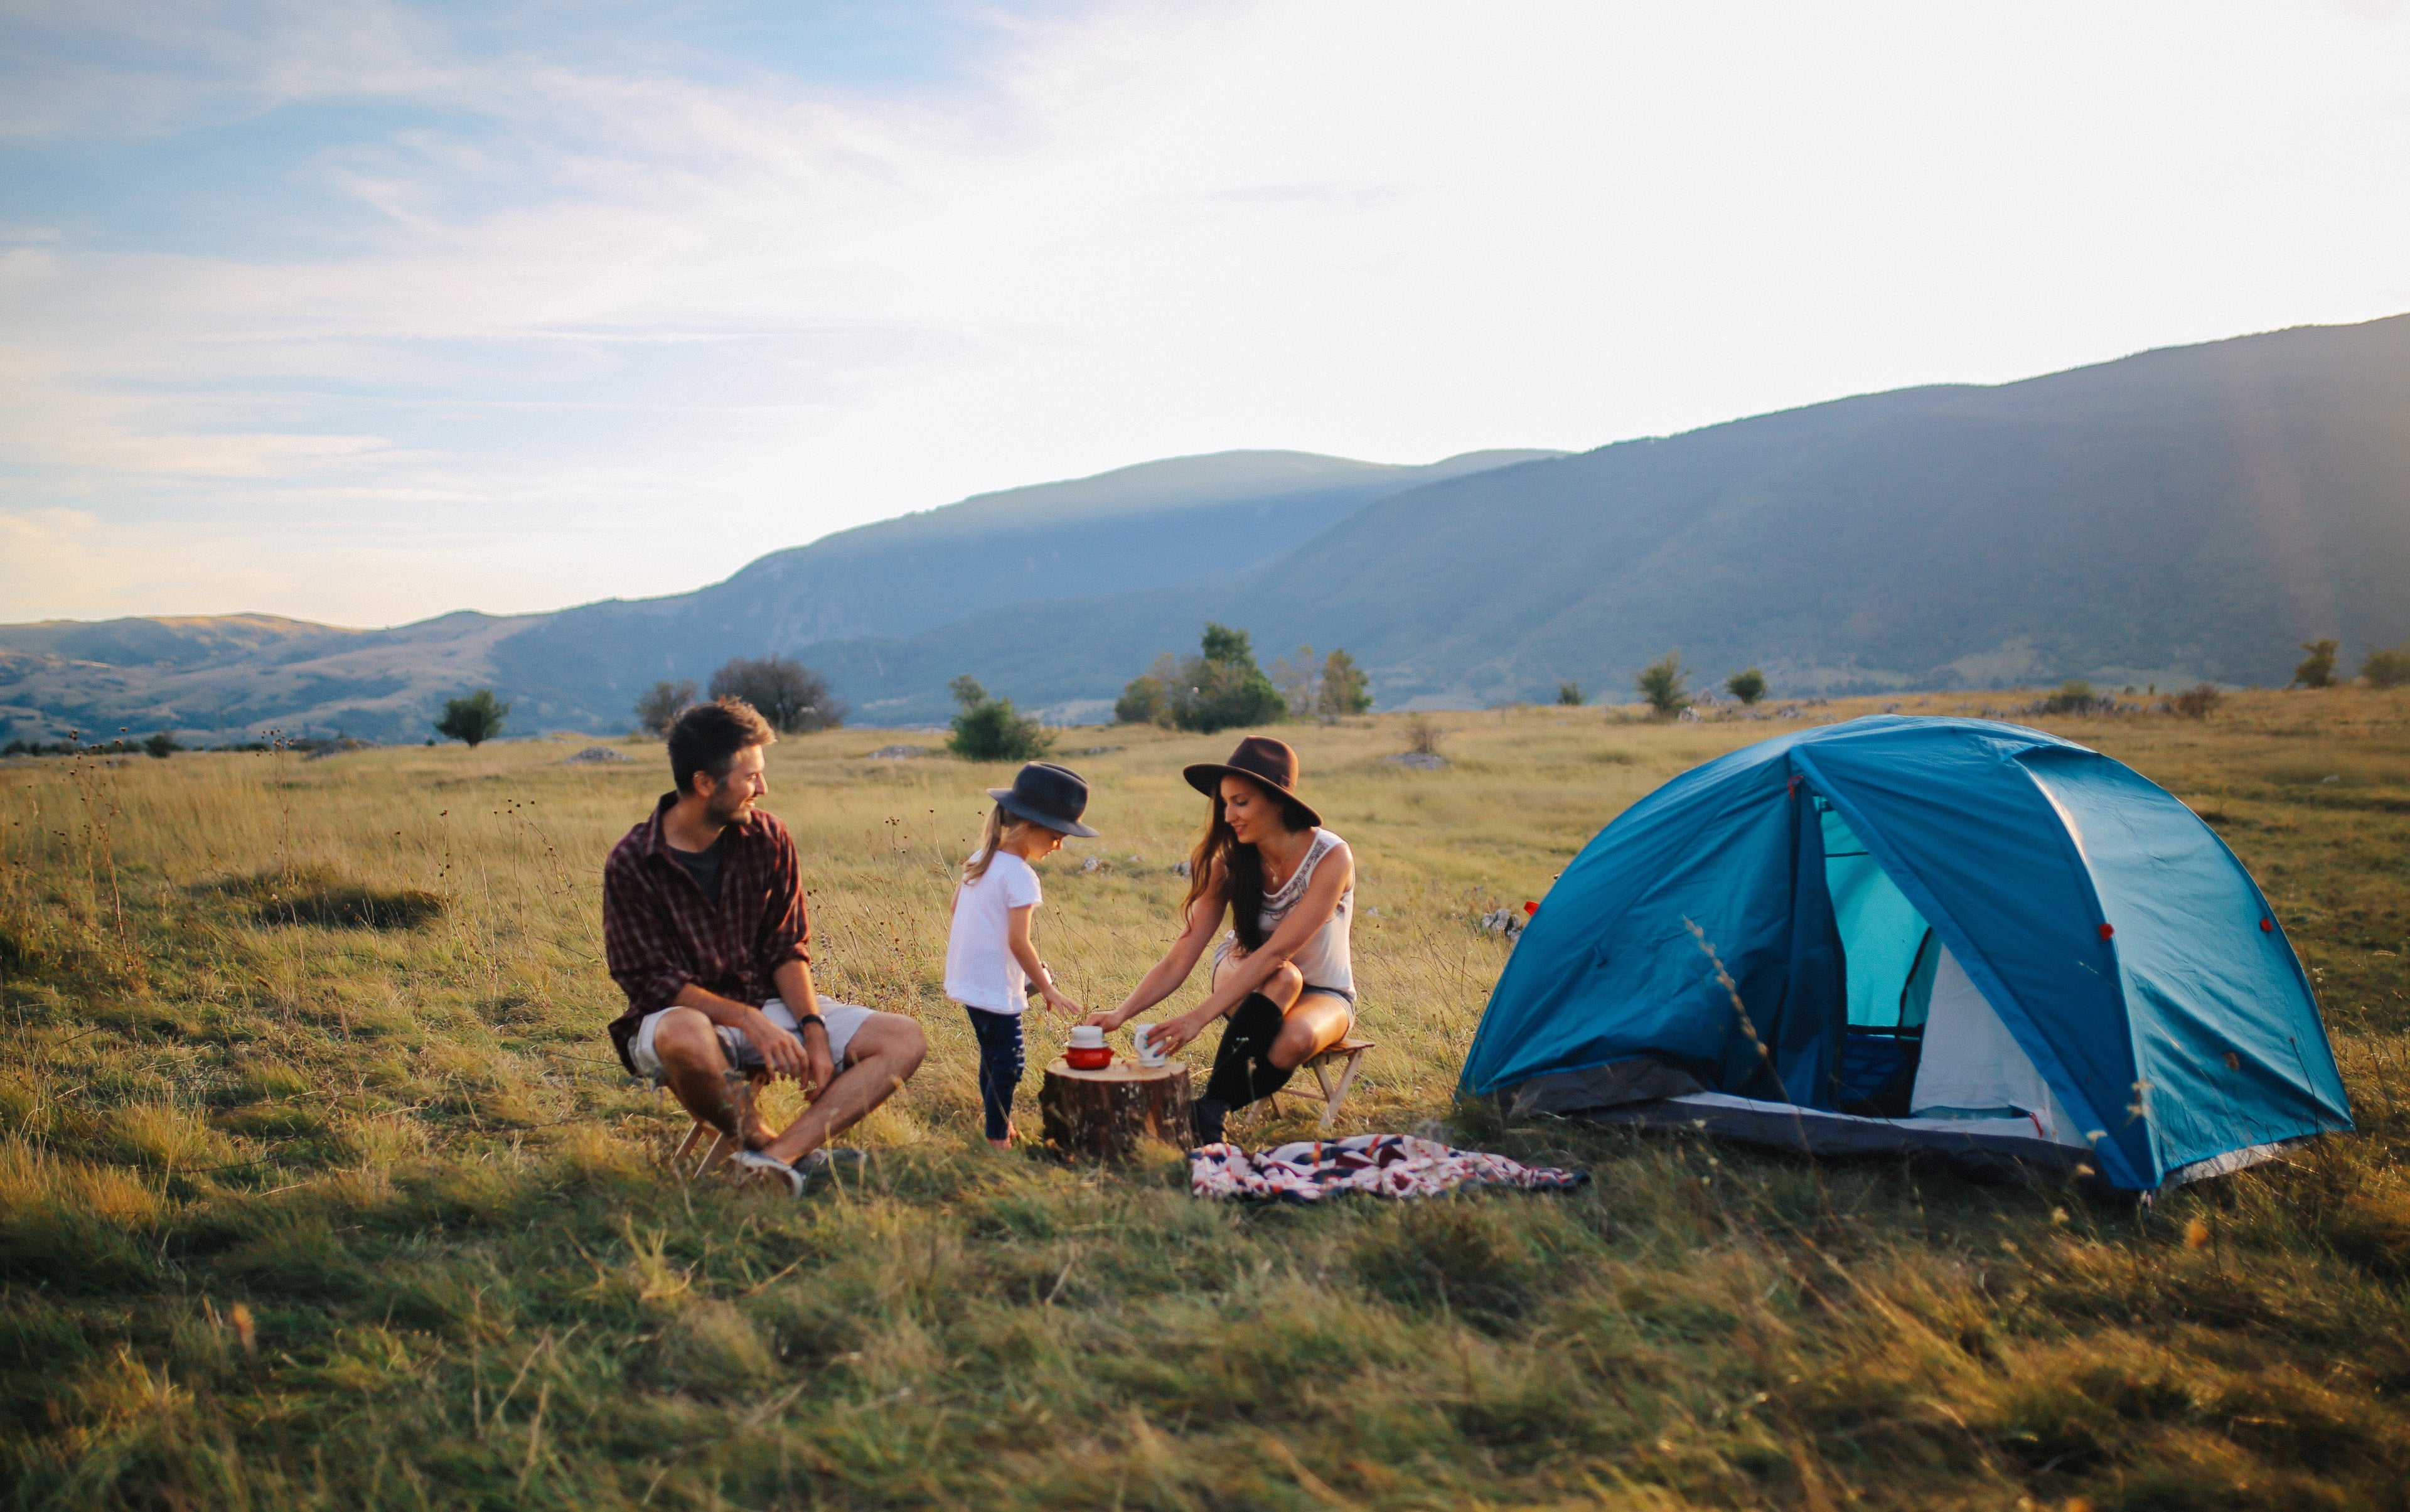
(1189, 520)
(1159, 524)
(2185, 514)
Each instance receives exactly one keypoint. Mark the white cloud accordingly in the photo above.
(624, 328)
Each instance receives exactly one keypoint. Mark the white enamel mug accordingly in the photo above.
(1142, 1040)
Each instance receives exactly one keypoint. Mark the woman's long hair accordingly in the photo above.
(1241, 867)
(991, 837)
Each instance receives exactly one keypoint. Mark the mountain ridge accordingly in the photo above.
(582, 667)
(2181, 515)
(2184, 514)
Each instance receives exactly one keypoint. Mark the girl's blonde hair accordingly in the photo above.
(999, 824)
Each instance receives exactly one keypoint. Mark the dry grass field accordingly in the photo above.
(319, 1187)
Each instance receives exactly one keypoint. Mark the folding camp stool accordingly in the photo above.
(1347, 1054)
(716, 1154)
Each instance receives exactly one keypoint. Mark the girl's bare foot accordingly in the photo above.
(1011, 1133)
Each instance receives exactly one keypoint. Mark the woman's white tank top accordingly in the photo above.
(1325, 960)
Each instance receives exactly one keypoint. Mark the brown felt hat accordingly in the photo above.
(1270, 764)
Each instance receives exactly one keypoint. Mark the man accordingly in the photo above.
(703, 929)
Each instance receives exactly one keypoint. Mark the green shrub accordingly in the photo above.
(1663, 684)
(2387, 669)
(989, 730)
(1569, 694)
(1143, 700)
(475, 719)
(1748, 686)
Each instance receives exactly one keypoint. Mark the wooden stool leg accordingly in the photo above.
(1339, 1095)
(693, 1137)
(1322, 1079)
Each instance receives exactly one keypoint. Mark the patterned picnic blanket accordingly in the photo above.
(1384, 1165)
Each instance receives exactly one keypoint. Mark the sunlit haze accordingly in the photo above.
(364, 313)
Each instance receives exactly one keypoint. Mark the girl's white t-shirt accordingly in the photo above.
(980, 971)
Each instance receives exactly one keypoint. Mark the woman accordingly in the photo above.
(1283, 974)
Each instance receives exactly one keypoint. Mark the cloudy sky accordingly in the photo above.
(365, 311)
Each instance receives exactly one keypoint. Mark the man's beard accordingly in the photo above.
(723, 817)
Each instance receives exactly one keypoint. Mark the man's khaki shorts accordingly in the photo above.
(843, 1019)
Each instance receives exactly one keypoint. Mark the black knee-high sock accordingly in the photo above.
(1243, 1070)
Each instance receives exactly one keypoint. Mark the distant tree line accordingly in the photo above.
(162, 745)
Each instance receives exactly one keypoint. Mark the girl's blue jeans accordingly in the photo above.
(1000, 1066)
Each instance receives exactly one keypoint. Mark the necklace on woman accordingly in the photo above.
(1289, 870)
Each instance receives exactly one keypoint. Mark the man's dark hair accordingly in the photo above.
(707, 736)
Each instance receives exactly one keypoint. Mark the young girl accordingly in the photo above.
(990, 964)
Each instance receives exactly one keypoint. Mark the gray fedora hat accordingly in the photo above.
(1045, 793)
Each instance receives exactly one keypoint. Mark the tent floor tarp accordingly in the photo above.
(2001, 1151)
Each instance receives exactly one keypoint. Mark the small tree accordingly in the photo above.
(791, 696)
(1749, 686)
(1299, 682)
(475, 719)
(661, 707)
(1569, 694)
(2387, 669)
(162, 745)
(988, 729)
(1344, 688)
(2318, 668)
(1664, 684)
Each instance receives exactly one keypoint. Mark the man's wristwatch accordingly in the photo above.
(802, 1019)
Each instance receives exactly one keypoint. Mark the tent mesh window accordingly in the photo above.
(1889, 954)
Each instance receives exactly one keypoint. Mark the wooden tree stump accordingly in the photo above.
(1103, 1114)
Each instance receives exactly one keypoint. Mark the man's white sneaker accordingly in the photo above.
(761, 1163)
(799, 1175)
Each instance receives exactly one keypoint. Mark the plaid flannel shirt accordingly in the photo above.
(660, 932)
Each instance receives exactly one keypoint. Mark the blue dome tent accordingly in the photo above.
(1950, 935)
